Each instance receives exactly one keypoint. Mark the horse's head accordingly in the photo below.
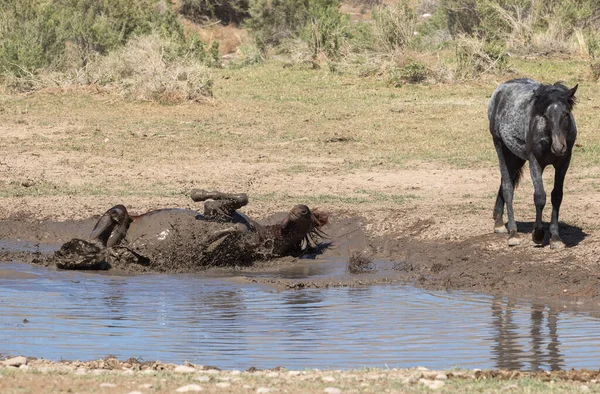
(554, 103)
(301, 226)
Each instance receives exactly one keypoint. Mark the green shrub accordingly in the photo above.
(327, 28)
(227, 11)
(30, 37)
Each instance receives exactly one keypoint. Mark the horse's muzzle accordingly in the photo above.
(559, 149)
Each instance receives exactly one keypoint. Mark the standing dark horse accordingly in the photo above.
(531, 121)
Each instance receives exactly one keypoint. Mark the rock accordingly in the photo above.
(134, 392)
(128, 372)
(294, 373)
(328, 379)
(332, 390)
(235, 372)
(146, 386)
(24, 367)
(189, 388)
(247, 387)
(272, 374)
(584, 389)
(15, 361)
(263, 390)
(202, 378)
(211, 371)
(432, 384)
(148, 372)
(108, 385)
(441, 376)
(223, 385)
(80, 371)
(421, 369)
(184, 369)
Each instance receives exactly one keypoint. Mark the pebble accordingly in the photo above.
(15, 361)
(247, 387)
(108, 385)
(294, 373)
(263, 390)
(223, 385)
(441, 376)
(328, 379)
(332, 390)
(432, 384)
(146, 386)
(202, 378)
(184, 369)
(189, 388)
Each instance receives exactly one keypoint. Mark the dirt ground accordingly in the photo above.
(409, 175)
(113, 376)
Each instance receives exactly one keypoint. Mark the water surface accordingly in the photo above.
(216, 321)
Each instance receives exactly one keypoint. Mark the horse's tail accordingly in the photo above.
(517, 177)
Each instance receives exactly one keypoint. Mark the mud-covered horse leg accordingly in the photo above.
(499, 226)
(539, 199)
(112, 227)
(220, 206)
(510, 171)
(557, 195)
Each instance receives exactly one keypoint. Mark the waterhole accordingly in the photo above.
(231, 324)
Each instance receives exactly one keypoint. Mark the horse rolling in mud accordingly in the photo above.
(178, 240)
(531, 121)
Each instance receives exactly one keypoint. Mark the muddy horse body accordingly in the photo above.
(185, 240)
(531, 122)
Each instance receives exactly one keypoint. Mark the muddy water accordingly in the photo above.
(222, 322)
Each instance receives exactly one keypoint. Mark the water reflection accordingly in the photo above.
(178, 318)
(515, 350)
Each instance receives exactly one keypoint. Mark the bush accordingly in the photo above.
(394, 26)
(327, 28)
(35, 34)
(148, 69)
(226, 11)
(30, 37)
(475, 57)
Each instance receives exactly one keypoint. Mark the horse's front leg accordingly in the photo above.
(539, 199)
(557, 195)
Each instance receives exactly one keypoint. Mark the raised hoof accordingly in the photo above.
(514, 241)
(557, 244)
(501, 229)
(538, 236)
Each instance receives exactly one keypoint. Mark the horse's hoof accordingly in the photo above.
(538, 236)
(501, 229)
(557, 244)
(514, 241)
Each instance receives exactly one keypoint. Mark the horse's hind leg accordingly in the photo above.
(499, 226)
(510, 171)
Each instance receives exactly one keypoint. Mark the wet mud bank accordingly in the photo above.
(481, 263)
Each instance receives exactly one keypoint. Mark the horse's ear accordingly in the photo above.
(320, 218)
(573, 90)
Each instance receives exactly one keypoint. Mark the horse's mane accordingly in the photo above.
(546, 95)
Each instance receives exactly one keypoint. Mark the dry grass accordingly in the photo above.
(146, 69)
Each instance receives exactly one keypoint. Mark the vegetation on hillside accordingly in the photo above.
(141, 46)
